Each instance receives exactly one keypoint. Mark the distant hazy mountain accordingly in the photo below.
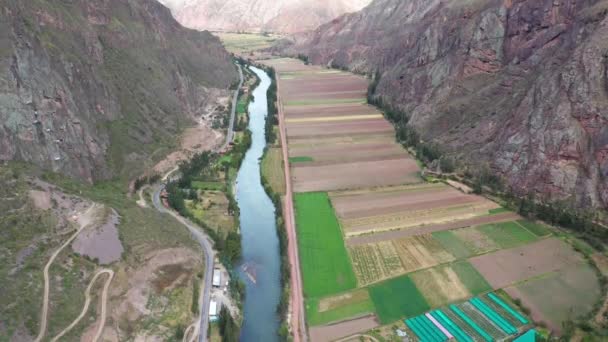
(286, 16)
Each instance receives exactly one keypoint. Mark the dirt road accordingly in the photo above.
(84, 220)
(85, 308)
(298, 323)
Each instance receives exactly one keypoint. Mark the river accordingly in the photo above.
(258, 230)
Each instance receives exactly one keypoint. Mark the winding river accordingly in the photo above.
(260, 269)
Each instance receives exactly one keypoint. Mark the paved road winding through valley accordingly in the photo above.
(197, 233)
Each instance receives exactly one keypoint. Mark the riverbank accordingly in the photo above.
(260, 264)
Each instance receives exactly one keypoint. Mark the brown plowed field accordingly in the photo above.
(332, 332)
(314, 96)
(510, 266)
(319, 129)
(406, 219)
(355, 175)
(329, 84)
(389, 202)
(319, 142)
(325, 110)
(391, 235)
(345, 153)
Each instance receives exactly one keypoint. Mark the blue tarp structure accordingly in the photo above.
(530, 336)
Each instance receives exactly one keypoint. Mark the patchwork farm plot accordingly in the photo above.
(325, 265)
(378, 245)
(387, 209)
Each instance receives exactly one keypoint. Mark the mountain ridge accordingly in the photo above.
(99, 89)
(278, 16)
(517, 84)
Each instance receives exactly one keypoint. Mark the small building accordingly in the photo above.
(213, 312)
(217, 278)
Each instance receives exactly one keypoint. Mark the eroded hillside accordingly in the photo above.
(100, 89)
(519, 85)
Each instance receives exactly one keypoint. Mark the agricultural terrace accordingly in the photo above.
(379, 245)
(548, 276)
(337, 141)
(242, 43)
(325, 266)
(403, 208)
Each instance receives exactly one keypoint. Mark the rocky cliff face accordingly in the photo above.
(281, 16)
(519, 84)
(95, 88)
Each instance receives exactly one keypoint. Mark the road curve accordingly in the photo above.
(195, 231)
(235, 100)
(47, 267)
(85, 308)
(298, 318)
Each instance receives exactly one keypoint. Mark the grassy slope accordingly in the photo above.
(324, 261)
(349, 309)
(142, 230)
(272, 170)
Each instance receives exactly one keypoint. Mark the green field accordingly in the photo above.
(537, 229)
(347, 309)
(397, 298)
(453, 244)
(272, 170)
(241, 106)
(246, 42)
(469, 276)
(218, 186)
(301, 159)
(507, 234)
(324, 261)
(499, 210)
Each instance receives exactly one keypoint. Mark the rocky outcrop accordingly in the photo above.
(520, 85)
(97, 89)
(280, 16)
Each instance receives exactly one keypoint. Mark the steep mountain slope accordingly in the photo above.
(521, 85)
(282, 16)
(98, 89)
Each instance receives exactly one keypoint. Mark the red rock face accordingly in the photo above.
(519, 84)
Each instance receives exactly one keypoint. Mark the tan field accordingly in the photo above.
(440, 285)
(354, 175)
(509, 266)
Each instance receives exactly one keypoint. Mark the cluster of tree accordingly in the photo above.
(143, 180)
(304, 58)
(199, 167)
(482, 177)
(583, 222)
(272, 119)
(229, 329)
(283, 305)
(406, 134)
(196, 283)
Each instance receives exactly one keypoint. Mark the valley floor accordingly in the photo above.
(380, 246)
